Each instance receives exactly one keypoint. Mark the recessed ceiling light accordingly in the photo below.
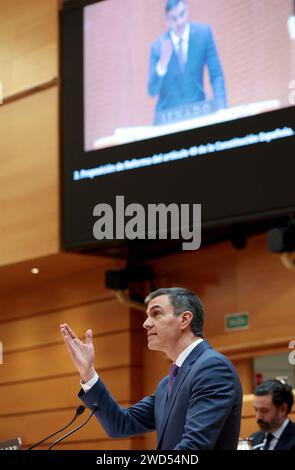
(35, 270)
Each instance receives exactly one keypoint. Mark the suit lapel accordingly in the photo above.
(162, 402)
(287, 439)
(258, 438)
(183, 371)
(168, 404)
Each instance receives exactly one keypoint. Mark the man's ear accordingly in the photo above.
(284, 408)
(186, 318)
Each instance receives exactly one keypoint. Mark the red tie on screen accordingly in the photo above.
(172, 376)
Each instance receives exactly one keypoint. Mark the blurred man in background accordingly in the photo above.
(273, 402)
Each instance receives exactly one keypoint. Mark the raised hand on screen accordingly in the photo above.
(82, 354)
(166, 52)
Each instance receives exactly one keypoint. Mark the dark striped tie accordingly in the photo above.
(172, 376)
(269, 438)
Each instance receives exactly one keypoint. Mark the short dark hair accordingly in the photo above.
(280, 392)
(181, 300)
(172, 4)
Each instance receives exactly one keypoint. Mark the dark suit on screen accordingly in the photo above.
(203, 410)
(177, 88)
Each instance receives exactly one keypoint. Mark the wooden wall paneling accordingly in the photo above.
(32, 427)
(266, 288)
(29, 31)
(59, 268)
(104, 317)
(53, 361)
(42, 298)
(29, 178)
(210, 272)
(60, 393)
(230, 281)
(244, 368)
(29, 131)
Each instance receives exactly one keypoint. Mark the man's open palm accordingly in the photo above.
(82, 354)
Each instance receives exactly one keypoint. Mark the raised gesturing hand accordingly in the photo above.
(82, 354)
(166, 52)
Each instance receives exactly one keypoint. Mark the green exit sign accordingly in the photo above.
(236, 321)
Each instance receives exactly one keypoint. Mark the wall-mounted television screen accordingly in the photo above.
(177, 101)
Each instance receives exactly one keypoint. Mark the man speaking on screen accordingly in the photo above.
(196, 407)
(177, 62)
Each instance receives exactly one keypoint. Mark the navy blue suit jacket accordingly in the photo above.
(177, 88)
(202, 412)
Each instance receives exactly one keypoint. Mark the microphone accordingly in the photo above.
(93, 410)
(79, 411)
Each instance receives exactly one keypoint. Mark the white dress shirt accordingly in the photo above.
(179, 361)
(183, 355)
(88, 385)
